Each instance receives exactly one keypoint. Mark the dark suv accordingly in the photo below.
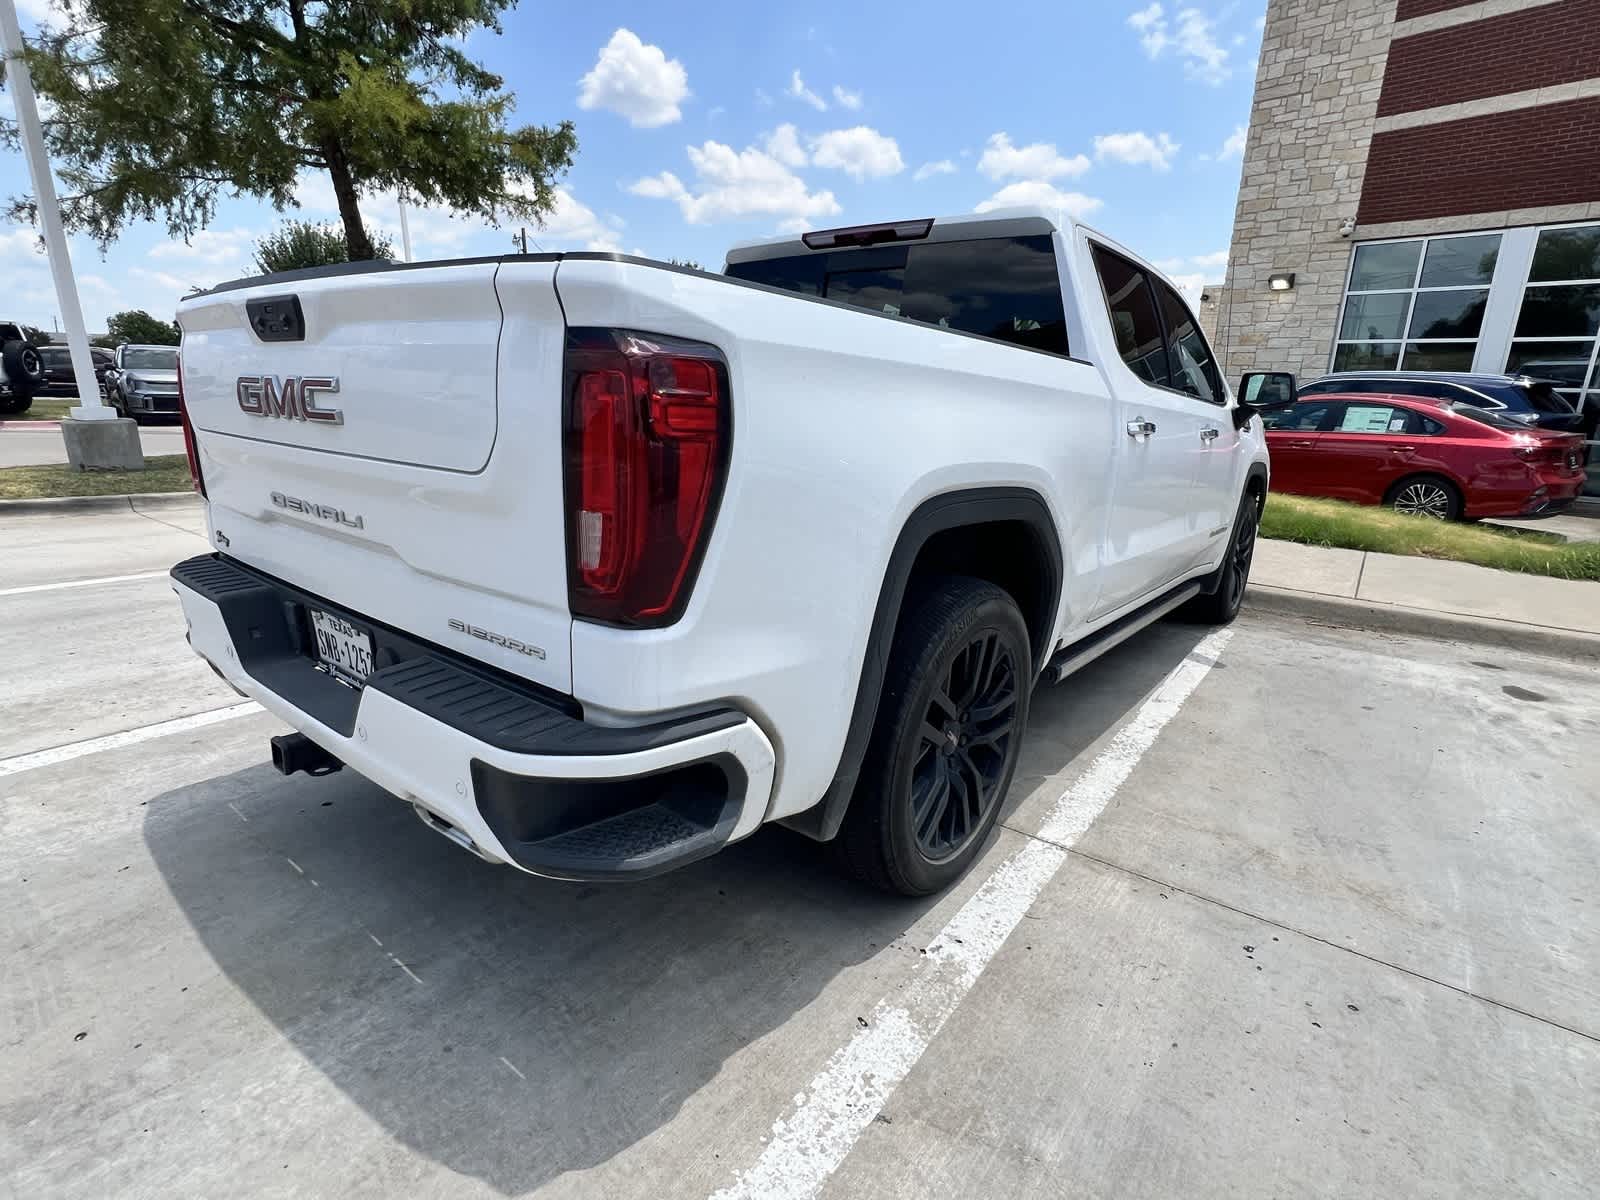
(62, 380)
(1520, 397)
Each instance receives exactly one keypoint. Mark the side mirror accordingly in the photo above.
(1264, 391)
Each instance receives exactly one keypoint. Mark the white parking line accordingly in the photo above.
(81, 583)
(808, 1144)
(129, 737)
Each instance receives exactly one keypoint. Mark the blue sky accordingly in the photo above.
(725, 121)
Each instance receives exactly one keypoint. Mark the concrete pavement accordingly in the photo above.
(1328, 935)
(41, 445)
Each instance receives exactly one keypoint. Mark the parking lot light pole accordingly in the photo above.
(99, 448)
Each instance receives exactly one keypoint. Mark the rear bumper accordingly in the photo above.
(512, 773)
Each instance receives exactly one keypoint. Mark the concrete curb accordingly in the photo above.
(140, 502)
(1423, 622)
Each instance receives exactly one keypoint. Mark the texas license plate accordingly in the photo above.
(343, 649)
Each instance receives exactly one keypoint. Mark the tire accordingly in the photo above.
(24, 368)
(1222, 605)
(12, 405)
(961, 636)
(1426, 496)
(120, 402)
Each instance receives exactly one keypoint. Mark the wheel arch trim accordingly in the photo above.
(938, 514)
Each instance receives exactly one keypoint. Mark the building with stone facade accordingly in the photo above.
(1428, 172)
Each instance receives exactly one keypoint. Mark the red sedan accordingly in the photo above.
(1422, 456)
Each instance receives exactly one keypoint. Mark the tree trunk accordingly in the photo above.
(357, 243)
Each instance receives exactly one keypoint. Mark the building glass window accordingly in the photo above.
(1557, 335)
(1416, 305)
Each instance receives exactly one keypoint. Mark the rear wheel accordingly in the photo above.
(950, 724)
(11, 405)
(1426, 496)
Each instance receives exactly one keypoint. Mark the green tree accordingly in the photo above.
(136, 325)
(163, 106)
(686, 262)
(303, 244)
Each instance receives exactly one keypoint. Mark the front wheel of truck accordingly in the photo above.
(945, 744)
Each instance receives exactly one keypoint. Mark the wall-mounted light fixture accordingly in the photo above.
(1281, 282)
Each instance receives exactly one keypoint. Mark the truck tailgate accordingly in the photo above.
(417, 481)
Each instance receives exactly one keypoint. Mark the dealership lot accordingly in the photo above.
(1327, 926)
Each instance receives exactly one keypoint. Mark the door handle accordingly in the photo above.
(1302, 445)
(1209, 434)
(1141, 428)
(1404, 449)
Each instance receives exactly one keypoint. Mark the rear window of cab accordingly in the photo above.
(1007, 289)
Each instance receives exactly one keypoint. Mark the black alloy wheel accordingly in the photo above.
(945, 739)
(964, 744)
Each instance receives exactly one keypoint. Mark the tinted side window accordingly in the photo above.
(1002, 288)
(1321, 389)
(1132, 305)
(1193, 371)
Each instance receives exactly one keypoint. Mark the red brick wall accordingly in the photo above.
(1421, 8)
(1523, 159)
(1532, 48)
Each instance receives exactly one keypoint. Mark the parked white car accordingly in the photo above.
(601, 563)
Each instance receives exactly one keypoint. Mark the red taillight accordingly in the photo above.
(193, 451)
(647, 432)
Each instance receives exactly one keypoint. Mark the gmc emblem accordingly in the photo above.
(292, 398)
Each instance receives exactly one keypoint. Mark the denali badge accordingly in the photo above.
(498, 639)
(323, 512)
(291, 397)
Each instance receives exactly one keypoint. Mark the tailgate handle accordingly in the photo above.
(277, 318)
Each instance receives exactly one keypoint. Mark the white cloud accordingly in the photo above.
(1234, 146)
(1190, 286)
(1041, 160)
(571, 222)
(212, 246)
(794, 225)
(1151, 26)
(845, 98)
(783, 143)
(798, 89)
(929, 169)
(1204, 262)
(1036, 192)
(37, 10)
(178, 286)
(636, 80)
(859, 152)
(1136, 149)
(313, 191)
(1204, 59)
(733, 184)
(1193, 38)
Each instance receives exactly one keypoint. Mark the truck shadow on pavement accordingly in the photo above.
(513, 1029)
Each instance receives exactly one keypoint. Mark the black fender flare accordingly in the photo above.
(949, 510)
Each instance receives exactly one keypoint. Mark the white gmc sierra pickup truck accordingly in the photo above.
(601, 564)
